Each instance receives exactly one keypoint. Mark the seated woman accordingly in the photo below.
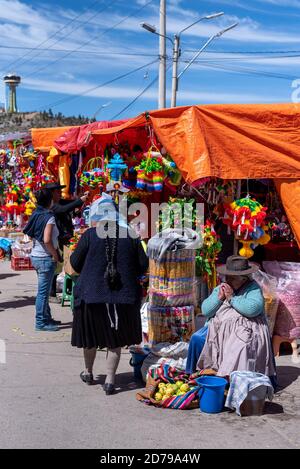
(238, 337)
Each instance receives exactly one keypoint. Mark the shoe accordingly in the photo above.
(47, 328)
(54, 322)
(109, 388)
(87, 378)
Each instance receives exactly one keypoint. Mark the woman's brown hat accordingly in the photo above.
(237, 265)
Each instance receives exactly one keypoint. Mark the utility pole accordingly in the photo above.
(176, 55)
(162, 56)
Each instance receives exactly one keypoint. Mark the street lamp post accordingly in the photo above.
(176, 53)
(162, 57)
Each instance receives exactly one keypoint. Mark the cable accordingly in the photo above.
(245, 58)
(90, 40)
(67, 34)
(134, 54)
(135, 99)
(138, 96)
(214, 51)
(70, 98)
(244, 70)
(47, 40)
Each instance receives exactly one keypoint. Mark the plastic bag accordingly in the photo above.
(288, 290)
(268, 284)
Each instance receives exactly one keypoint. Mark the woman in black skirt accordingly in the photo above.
(107, 295)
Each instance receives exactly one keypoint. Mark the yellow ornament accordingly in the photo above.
(246, 250)
(264, 239)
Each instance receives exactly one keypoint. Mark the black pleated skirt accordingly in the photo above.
(106, 326)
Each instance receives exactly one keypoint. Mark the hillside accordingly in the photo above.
(24, 121)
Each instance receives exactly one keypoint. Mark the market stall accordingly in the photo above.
(242, 162)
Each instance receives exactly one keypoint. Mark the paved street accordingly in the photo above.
(44, 404)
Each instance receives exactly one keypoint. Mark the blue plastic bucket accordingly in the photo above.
(211, 394)
(136, 362)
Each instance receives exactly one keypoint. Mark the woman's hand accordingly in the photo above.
(225, 292)
(221, 294)
(228, 291)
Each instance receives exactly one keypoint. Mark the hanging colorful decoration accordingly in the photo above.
(93, 175)
(150, 174)
(116, 167)
(246, 217)
(172, 174)
(74, 241)
(207, 255)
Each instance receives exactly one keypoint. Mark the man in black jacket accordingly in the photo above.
(63, 210)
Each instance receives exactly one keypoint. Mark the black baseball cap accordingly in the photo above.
(53, 186)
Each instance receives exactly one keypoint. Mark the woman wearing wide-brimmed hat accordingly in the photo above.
(238, 337)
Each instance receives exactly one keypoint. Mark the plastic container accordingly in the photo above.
(136, 361)
(254, 402)
(21, 263)
(211, 394)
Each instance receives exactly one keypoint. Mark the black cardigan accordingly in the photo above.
(89, 259)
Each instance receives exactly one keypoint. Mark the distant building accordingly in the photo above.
(12, 81)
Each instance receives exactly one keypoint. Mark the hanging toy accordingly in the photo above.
(172, 174)
(93, 175)
(150, 172)
(246, 218)
(116, 167)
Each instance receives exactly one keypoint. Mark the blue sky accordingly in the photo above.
(62, 49)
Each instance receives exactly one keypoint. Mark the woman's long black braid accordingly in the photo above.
(112, 275)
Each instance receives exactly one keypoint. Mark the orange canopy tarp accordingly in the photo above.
(43, 139)
(238, 141)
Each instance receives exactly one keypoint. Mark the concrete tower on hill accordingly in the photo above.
(12, 81)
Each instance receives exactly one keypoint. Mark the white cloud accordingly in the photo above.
(122, 92)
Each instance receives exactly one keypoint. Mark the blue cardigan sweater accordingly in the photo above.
(248, 301)
(89, 259)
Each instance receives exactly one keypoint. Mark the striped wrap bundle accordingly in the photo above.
(172, 280)
(167, 374)
(170, 324)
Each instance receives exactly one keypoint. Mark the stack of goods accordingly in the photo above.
(170, 324)
(171, 286)
(21, 250)
(172, 279)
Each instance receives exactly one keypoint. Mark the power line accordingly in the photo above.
(245, 71)
(135, 99)
(101, 10)
(214, 51)
(134, 54)
(70, 98)
(50, 37)
(138, 96)
(245, 58)
(90, 40)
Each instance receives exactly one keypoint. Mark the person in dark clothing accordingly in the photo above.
(63, 210)
(107, 294)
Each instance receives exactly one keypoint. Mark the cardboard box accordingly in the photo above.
(67, 265)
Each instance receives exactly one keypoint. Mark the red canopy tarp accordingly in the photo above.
(239, 141)
(77, 138)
